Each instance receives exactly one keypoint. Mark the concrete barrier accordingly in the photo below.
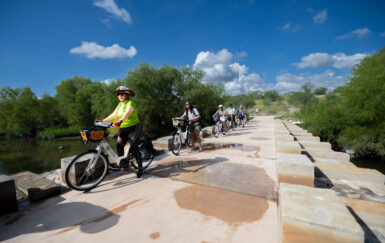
(8, 199)
(313, 145)
(351, 173)
(295, 169)
(310, 214)
(330, 155)
(35, 186)
(288, 147)
(370, 215)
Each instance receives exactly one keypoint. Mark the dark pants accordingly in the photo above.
(130, 134)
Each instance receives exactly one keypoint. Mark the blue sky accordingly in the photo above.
(245, 45)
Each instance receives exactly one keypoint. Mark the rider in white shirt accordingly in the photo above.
(230, 112)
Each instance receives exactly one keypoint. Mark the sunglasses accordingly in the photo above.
(120, 94)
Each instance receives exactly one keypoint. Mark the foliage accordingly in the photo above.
(353, 116)
(320, 91)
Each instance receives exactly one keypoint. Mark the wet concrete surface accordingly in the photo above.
(218, 173)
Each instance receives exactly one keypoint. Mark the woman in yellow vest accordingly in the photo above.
(129, 125)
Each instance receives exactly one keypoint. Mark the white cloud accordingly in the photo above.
(108, 81)
(111, 7)
(93, 50)
(290, 28)
(219, 67)
(321, 17)
(359, 33)
(287, 82)
(338, 60)
(382, 34)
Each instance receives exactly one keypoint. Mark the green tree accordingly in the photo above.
(364, 96)
(320, 91)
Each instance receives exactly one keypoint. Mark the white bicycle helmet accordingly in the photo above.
(220, 106)
(125, 90)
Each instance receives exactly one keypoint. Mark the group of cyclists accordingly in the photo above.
(125, 116)
(230, 114)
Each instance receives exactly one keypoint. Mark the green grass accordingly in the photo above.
(52, 133)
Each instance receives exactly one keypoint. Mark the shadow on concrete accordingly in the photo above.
(178, 167)
(53, 215)
(321, 180)
(370, 237)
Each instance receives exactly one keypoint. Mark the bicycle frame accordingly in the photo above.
(113, 157)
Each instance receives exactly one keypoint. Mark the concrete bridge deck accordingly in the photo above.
(227, 193)
(224, 194)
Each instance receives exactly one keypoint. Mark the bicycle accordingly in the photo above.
(218, 127)
(230, 123)
(178, 136)
(88, 169)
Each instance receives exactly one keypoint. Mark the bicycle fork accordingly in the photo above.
(91, 166)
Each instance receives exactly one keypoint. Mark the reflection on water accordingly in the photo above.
(38, 156)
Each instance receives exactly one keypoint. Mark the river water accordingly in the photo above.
(39, 156)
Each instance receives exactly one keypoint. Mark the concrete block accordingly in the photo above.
(330, 155)
(293, 148)
(307, 138)
(310, 214)
(163, 143)
(7, 194)
(287, 143)
(284, 138)
(370, 215)
(35, 186)
(295, 169)
(311, 144)
(206, 132)
(351, 173)
(64, 162)
(333, 162)
(301, 133)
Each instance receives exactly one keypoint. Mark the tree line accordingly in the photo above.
(351, 116)
(160, 95)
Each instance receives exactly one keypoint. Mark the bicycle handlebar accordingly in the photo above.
(104, 124)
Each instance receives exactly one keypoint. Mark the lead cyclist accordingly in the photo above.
(125, 116)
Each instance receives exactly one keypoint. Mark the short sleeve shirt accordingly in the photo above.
(193, 114)
(123, 107)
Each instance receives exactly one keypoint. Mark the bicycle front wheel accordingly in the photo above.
(176, 143)
(86, 170)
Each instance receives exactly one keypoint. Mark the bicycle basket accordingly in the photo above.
(216, 118)
(177, 122)
(92, 134)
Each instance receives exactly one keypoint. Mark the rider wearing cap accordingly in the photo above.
(126, 118)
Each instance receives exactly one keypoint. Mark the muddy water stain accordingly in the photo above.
(231, 207)
(155, 235)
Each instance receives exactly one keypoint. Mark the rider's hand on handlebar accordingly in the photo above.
(116, 124)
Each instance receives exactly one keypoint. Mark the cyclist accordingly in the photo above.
(222, 116)
(230, 113)
(129, 125)
(195, 127)
(241, 114)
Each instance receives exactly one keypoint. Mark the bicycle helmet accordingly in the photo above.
(220, 106)
(125, 90)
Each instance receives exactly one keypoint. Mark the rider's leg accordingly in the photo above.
(134, 135)
(121, 142)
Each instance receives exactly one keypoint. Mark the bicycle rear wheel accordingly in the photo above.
(86, 170)
(147, 155)
(176, 143)
(215, 131)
